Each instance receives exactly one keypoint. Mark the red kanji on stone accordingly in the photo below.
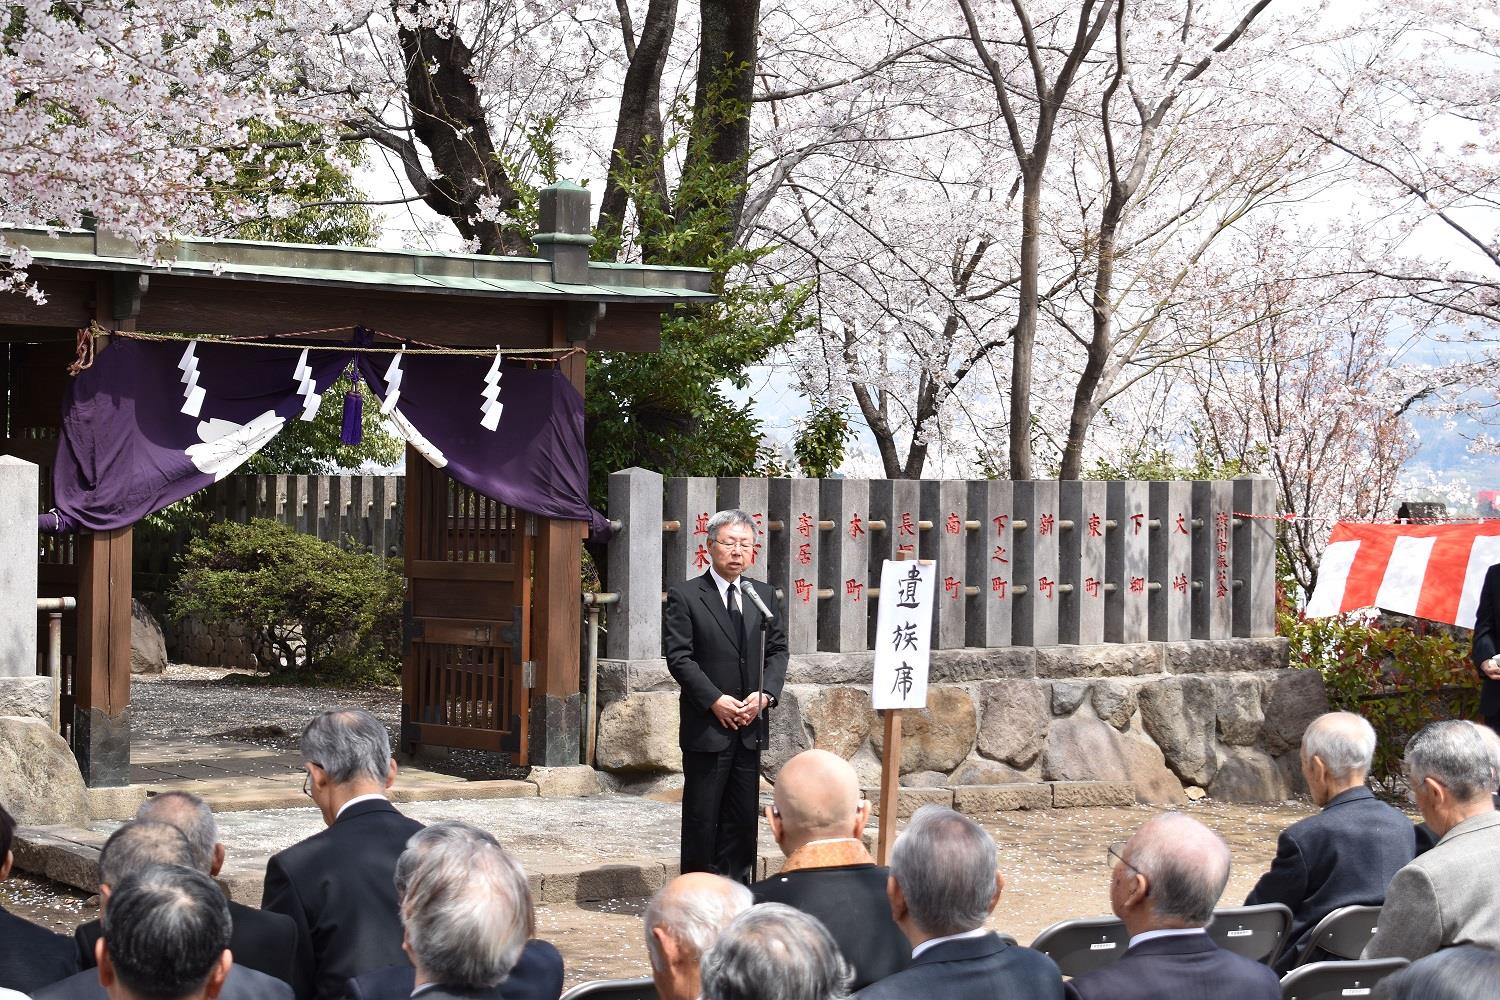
(1091, 587)
(954, 586)
(1046, 586)
(906, 548)
(804, 590)
(953, 525)
(804, 525)
(1137, 584)
(856, 527)
(804, 553)
(1046, 526)
(853, 586)
(906, 527)
(999, 555)
(1181, 524)
(1001, 520)
(997, 584)
(702, 528)
(1136, 519)
(700, 558)
(1094, 522)
(1180, 583)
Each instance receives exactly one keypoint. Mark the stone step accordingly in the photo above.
(981, 800)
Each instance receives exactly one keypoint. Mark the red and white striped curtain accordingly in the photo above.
(1431, 571)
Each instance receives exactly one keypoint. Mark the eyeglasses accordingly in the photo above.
(733, 546)
(307, 783)
(1115, 854)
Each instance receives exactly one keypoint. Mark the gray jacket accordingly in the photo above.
(1445, 897)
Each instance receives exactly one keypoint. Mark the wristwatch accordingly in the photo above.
(771, 702)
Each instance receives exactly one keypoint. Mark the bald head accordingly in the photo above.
(817, 797)
(1186, 866)
(189, 814)
(692, 909)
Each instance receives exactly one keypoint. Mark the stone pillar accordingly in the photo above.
(1171, 561)
(18, 547)
(945, 504)
(844, 625)
(691, 501)
(897, 502)
(635, 561)
(1255, 558)
(1034, 618)
(1127, 562)
(792, 558)
(991, 559)
(563, 217)
(749, 495)
(1081, 563)
(1213, 559)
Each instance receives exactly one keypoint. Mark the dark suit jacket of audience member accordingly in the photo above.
(240, 984)
(851, 902)
(1189, 967)
(337, 886)
(32, 956)
(1345, 855)
(982, 968)
(538, 975)
(259, 939)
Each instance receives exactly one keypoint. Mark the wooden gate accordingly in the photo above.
(466, 668)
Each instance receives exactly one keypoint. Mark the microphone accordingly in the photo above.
(760, 605)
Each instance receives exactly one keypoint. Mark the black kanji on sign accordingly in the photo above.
(905, 637)
(906, 597)
(903, 680)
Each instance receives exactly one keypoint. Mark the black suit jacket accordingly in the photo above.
(240, 984)
(850, 900)
(1487, 641)
(982, 968)
(705, 656)
(258, 939)
(338, 888)
(32, 956)
(1178, 968)
(1345, 855)
(538, 975)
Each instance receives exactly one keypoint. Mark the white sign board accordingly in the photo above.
(903, 636)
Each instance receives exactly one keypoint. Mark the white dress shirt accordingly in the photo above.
(977, 932)
(1145, 936)
(358, 798)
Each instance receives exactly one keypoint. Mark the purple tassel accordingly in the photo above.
(353, 431)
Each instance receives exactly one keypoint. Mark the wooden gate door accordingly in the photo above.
(465, 679)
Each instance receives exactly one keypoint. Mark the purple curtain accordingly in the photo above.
(154, 421)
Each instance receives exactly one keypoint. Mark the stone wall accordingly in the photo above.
(1225, 716)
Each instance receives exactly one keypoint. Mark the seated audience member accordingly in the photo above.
(166, 936)
(127, 853)
(466, 911)
(259, 939)
(944, 884)
(1163, 886)
(1492, 741)
(337, 885)
(1344, 855)
(1447, 896)
(774, 952)
(537, 974)
(682, 922)
(818, 820)
(30, 956)
(1461, 973)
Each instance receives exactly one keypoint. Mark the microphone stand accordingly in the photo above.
(763, 733)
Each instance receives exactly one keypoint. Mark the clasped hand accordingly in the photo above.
(735, 714)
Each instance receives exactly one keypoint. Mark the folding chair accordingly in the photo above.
(1342, 933)
(613, 989)
(1338, 980)
(1083, 945)
(1257, 932)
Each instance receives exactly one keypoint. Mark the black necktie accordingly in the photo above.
(735, 614)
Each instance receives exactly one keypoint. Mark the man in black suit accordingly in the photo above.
(30, 956)
(1164, 886)
(538, 972)
(819, 822)
(712, 638)
(1347, 854)
(774, 952)
(944, 884)
(682, 922)
(166, 936)
(337, 885)
(130, 853)
(1486, 651)
(259, 939)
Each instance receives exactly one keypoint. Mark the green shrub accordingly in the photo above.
(305, 605)
(1398, 676)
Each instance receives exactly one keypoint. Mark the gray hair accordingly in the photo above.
(348, 744)
(189, 814)
(1186, 866)
(463, 836)
(945, 864)
(165, 928)
(1343, 741)
(1454, 754)
(694, 919)
(1491, 739)
(467, 911)
(1460, 973)
(725, 518)
(774, 952)
(137, 846)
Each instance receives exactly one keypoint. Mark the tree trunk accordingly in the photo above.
(1025, 333)
(727, 58)
(1085, 406)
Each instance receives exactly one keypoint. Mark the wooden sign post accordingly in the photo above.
(903, 637)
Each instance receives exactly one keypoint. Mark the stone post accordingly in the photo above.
(792, 558)
(1171, 561)
(691, 502)
(1034, 618)
(1127, 562)
(897, 502)
(749, 495)
(945, 504)
(1255, 557)
(844, 624)
(1081, 563)
(635, 554)
(1213, 559)
(563, 218)
(991, 559)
